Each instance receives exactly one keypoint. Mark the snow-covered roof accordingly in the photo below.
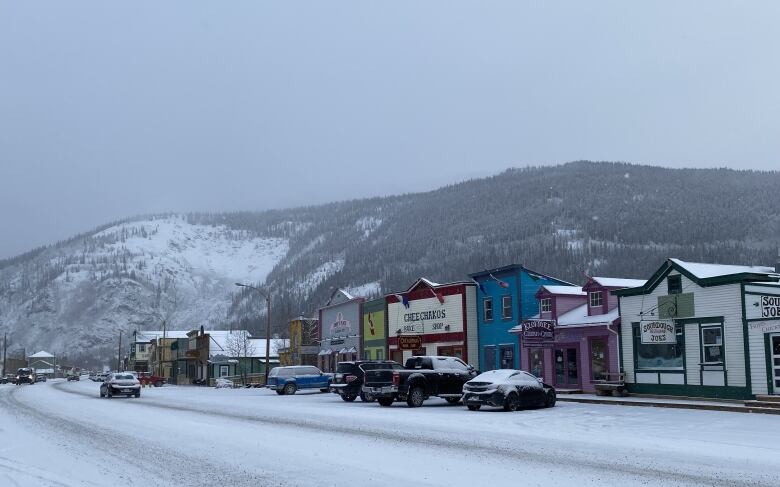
(41, 354)
(565, 290)
(705, 271)
(579, 316)
(148, 336)
(618, 282)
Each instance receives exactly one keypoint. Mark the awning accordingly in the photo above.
(343, 351)
(325, 352)
(352, 350)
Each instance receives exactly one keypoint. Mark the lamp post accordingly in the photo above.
(267, 297)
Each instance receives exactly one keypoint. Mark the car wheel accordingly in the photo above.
(290, 389)
(101, 393)
(452, 400)
(137, 394)
(512, 402)
(281, 393)
(473, 407)
(367, 397)
(385, 401)
(108, 393)
(550, 402)
(158, 383)
(348, 397)
(416, 397)
(324, 390)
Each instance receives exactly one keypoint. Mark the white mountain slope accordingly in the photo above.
(78, 296)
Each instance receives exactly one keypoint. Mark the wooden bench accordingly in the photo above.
(614, 384)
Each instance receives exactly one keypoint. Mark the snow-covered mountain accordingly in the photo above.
(609, 219)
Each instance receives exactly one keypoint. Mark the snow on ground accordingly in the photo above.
(63, 434)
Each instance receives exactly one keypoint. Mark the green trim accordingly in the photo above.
(706, 319)
(668, 266)
(745, 341)
(377, 343)
(691, 391)
(770, 383)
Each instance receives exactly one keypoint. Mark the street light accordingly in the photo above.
(267, 297)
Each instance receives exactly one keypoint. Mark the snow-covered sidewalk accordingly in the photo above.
(199, 436)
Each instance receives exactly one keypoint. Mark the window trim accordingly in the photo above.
(548, 302)
(504, 315)
(485, 302)
(702, 355)
(678, 280)
(600, 296)
(679, 329)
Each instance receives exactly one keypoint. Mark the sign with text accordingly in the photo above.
(762, 306)
(538, 333)
(409, 342)
(658, 333)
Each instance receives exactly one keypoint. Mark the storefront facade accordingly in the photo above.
(691, 330)
(505, 297)
(433, 319)
(762, 316)
(573, 341)
(340, 323)
(374, 330)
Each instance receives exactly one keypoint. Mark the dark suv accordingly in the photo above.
(25, 375)
(348, 381)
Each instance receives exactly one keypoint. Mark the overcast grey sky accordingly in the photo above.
(111, 109)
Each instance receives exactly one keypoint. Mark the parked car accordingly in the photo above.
(25, 375)
(348, 379)
(8, 378)
(148, 378)
(421, 378)
(102, 377)
(40, 377)
(72, 377)
(288, 380)
(120, 384)
(508, 389)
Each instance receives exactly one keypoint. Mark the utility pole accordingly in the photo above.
(162, 352)
(5, 350)
(119, 352)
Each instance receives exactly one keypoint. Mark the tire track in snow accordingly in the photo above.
(540, 454)
(187, 471)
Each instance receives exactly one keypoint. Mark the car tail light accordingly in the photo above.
(350, 378)
(396, 378)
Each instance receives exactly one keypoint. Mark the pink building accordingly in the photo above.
(581, 340)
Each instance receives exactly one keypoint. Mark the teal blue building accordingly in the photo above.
(505, 297)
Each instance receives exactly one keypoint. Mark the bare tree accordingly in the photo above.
(238, 345)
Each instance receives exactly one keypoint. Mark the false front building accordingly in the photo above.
(703, 330)
(340, 323)
(433, 319)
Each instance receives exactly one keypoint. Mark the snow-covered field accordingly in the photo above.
(60, 433)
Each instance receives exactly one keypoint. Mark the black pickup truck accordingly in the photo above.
(421, 378)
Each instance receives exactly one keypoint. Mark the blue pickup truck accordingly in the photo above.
(288, 380)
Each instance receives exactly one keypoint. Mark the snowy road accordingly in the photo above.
(62, 434)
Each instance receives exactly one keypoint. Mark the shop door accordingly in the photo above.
(566, 370)
(775, 344)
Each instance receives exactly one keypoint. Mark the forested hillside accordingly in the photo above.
(608, 219)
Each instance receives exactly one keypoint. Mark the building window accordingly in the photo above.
(659, 355)
(712, 344)
(599, 359)
(546, 305)
(596, 299)
(674, 284)
(224, 370)
(488, 309)
(380, 354)
(506, 307)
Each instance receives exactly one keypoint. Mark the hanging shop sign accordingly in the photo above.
(538, 333)
(409, 342)
(658, 333)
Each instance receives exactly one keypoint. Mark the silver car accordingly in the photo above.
(120, 384)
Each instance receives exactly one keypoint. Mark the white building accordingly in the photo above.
(702, 330)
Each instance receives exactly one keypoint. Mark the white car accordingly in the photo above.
(120, 384)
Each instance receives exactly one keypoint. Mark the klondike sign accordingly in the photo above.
(538, 333)
(658, 333)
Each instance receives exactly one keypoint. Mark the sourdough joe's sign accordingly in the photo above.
(658, 333)
(762, 306)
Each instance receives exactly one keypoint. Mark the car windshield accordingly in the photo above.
(124, 376)
(345, 368)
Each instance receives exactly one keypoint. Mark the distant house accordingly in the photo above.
(303, 343)
(43, 363)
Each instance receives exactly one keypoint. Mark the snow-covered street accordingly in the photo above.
(60, 433)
